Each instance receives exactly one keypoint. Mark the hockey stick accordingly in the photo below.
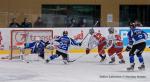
(76, 58)
(82, 56)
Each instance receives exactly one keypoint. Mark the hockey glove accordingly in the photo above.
(87, 50)
(80, 44)
(47, 43)
(128, 48)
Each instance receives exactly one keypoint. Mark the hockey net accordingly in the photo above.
(19, 37)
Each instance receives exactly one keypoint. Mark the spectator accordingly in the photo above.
(73, 23)
(14, 23)
(26, 23)
(39, 23)
(82, 22)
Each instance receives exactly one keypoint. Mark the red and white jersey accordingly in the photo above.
(114, 40)
(95, 40)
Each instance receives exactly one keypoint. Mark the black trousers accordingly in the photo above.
(137, 49)
(64, 55)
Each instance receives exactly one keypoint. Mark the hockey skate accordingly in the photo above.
(102, 58)
(112, 60)
(142, 67)
(65, 61)
(47, 61)
(131, 68)
(122, 62)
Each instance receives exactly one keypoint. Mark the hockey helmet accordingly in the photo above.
(91, 31)
(111, 30)
(65, 32)
(132, 25)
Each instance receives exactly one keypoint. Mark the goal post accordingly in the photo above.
(26, 36)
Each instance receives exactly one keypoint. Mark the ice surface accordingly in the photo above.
(85, 69)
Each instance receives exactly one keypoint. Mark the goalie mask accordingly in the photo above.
(111, 30)
(91, 31)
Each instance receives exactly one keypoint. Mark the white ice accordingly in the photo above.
(85, 69)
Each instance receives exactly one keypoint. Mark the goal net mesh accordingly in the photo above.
(19, 37)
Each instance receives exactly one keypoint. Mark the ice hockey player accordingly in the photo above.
(115, 46)
(137, 43)
(98, 40)
(62, 49)
(37, 47)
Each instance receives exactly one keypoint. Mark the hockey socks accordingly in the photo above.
(52, 57)
(141, 59)
(141, 67)
(131, 59)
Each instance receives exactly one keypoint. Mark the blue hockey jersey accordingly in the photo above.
(136, 36)
(64, 43)
(36, 47)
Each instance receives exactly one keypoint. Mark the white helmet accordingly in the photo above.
(91, 31)
(111, 30)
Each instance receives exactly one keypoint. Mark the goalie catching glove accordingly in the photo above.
(87, 50)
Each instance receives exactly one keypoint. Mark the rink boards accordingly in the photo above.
(76, 33)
